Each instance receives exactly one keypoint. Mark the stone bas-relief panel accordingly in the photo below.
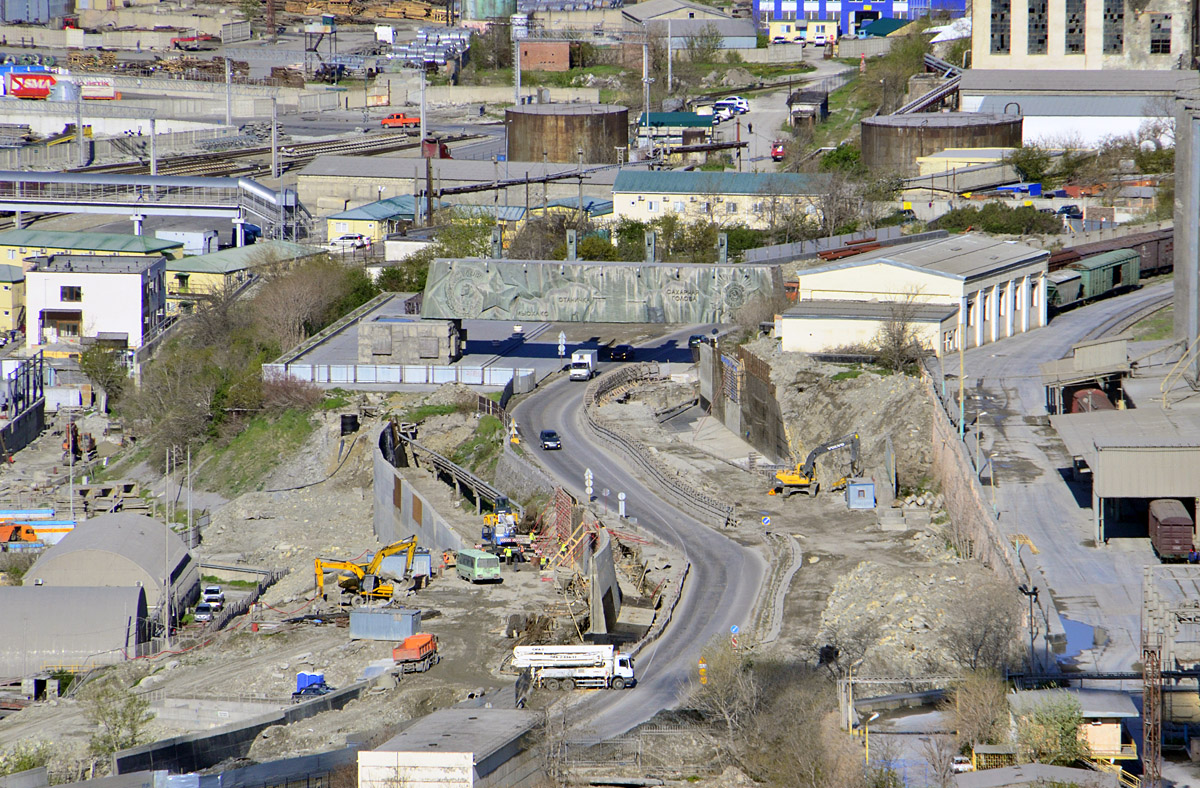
(594, 292)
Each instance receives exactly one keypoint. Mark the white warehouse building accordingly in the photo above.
(971, 286)
(119, 300)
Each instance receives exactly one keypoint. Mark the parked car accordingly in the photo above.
(1070, 211)
(621, 353)
(550, 440)
(779, 40)
(216, 604)
(214, 592)
(818, 40)
(721, 114)
(203, 612)
(695, 340)
(739, 105)
(960, 764)
(311, 691)
(347, 243)
(777, 150)
(800, 40)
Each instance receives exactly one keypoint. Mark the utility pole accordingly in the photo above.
(516, 66)
(79, 128)
(646, 78)
(422, 103)
(228, 93)
(274, 137)
(153, 149)
(670, 57)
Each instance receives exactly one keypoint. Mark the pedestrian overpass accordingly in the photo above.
(239, 200)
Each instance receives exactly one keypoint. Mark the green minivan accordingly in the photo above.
(476, 566)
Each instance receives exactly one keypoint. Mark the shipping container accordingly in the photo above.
(1171, 529)
(372, 623)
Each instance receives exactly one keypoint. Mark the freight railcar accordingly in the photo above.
(1094, 277)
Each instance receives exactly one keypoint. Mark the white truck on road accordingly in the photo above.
(575, 667)
(583, 364)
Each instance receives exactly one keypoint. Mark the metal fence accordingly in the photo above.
(351, 374)
(683, 495)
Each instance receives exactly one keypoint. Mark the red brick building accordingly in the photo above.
(545, 55)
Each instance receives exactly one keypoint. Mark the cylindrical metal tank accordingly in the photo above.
(893, 142)
(561, 130)
(490, 9)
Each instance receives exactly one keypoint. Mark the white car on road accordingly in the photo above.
(348, 243)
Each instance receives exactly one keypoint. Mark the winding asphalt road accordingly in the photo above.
(724, 580)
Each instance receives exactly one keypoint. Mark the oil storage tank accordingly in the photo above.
(893, 142)
(561, 130)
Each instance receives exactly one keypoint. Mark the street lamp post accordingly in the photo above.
(867, 735)
(1032, 595)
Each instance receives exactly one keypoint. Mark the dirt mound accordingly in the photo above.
(821, 402)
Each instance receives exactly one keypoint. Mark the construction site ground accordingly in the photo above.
(318, 502)
(849, 568)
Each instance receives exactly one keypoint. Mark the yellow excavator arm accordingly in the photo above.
(409, 544)
(322, 566)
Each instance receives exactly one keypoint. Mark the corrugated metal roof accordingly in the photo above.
(502, 213)
(89, 242)
(1067, 82)
(676, 119)
(11, 273)
(140, 539)
(641, 12)
(64, 626)
(1064, 105)
(967, 256)
(445, 169)
(239, 258)
(1092, 702)
(880, 28)
(1034, 774)
(1104, 259)
(381, 210)
(718, 183)
(594, 207)
(868, 310)
(478, 731)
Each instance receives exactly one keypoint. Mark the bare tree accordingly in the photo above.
(981, 635)
(939, 751)
(289, 302)
(703, 46)
(978, 704)
(106, 369)
(843, 645)
(899, 339)
(760, 309)
(730, 694)
(120, 716)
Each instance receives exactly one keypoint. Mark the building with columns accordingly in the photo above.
(971, 288)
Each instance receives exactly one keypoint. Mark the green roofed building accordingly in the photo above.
(192, 278)
(17, 245)
(754, 199)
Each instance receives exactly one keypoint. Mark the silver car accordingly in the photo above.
(204, 612)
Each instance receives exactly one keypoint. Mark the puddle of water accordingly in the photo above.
(1080, 637)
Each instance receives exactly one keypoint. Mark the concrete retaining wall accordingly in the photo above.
(64, 156)
(198, 751)
(871, 47)
(522, 480)
(401, 511)
(465, 94)
(605, 591)
(973, 527)
(201, 714)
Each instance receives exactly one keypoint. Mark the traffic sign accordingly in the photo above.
(562, 337)
(766, 520)
(733, 630)
(703, 672)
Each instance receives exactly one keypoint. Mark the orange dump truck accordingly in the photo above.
(417, 654)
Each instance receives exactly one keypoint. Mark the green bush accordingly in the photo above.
(997, 217)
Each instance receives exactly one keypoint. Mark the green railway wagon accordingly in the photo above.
(1106, 273)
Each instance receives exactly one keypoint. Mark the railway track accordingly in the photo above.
(234, 163)
(1120, 323)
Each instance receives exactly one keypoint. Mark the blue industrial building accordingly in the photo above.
(851, 14)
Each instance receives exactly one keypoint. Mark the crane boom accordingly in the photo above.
(850, 440)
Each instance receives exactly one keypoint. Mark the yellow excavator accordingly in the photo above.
(361, 582)
(801, 479)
